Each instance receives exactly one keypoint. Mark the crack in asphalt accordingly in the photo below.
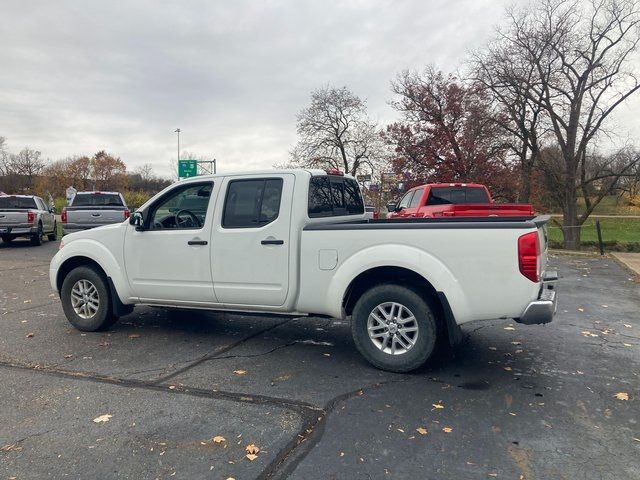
(289, 457)
(217, 352)
(304, 408)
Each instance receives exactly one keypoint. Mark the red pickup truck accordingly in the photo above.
(454, 200)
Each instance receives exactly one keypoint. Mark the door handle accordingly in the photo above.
(272, 242)
(197, 242)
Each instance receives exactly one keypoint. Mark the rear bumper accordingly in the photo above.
(68, 228)
(18, 230)
(543, 309)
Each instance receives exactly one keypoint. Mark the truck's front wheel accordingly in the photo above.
(86, 301)
(394, 328)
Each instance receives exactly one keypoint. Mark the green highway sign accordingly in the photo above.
(187, 168)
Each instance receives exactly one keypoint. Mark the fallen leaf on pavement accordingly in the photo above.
(447, 430)
(27, 301)
(251, 457)
(29, 335)
(437, 405)
(219, 439)
(240, 372)
(493, 349)
(68, 356)
(508, 369)
(421, 430)
(622, 396)
(252, 449)
(134, 335)
(102, 418)
(627, 345)
(581, 309)
(509, 328)
(627, 325)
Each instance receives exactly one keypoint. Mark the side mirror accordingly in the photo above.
(52, 209)
(391, 207)
(136, 219)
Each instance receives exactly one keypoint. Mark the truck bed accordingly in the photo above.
(524, 222)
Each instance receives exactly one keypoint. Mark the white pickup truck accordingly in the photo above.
(295, 242)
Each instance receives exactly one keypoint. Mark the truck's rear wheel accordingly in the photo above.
(52, 236)
(394, 328)
(7, 238)
(86, 300)
(36, 238)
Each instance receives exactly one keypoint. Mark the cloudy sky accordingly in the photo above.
(77, 77)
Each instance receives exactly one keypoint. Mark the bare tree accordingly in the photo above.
(580, 56)
(27, 163)
(335, 132)
(497, 68)
(145, 171)
(4, 159)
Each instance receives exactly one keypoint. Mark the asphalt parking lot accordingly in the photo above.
(146, 399)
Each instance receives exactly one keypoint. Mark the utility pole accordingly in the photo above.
(177, 130)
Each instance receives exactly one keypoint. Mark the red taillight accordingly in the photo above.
(376, 215)
(126, 214)
(529, 256)
(31, 217)
(63, 215)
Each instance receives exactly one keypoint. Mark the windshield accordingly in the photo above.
(17, 202)
(97, 200)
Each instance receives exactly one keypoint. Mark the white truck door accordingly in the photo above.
(251, 240)
(169, 258)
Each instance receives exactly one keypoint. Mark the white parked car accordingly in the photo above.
(295, 242)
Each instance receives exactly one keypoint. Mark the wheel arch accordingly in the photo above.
(410, 279)
(411, 266)
(74, 262)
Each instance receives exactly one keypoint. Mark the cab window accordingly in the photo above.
(333, 196)
(183, 208)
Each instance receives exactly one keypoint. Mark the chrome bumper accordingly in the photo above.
(543, 309)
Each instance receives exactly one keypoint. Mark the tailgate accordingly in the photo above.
(12, 217)
(95, 216)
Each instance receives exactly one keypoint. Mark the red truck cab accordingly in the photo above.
(453, 200)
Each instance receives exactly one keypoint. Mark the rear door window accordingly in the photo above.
(252, 203)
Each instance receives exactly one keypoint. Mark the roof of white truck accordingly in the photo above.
(311, 171)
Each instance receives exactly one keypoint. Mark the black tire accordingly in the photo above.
(427, 328)
(52, 237)
(7, 238)
(103, 318)
(36, 238)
